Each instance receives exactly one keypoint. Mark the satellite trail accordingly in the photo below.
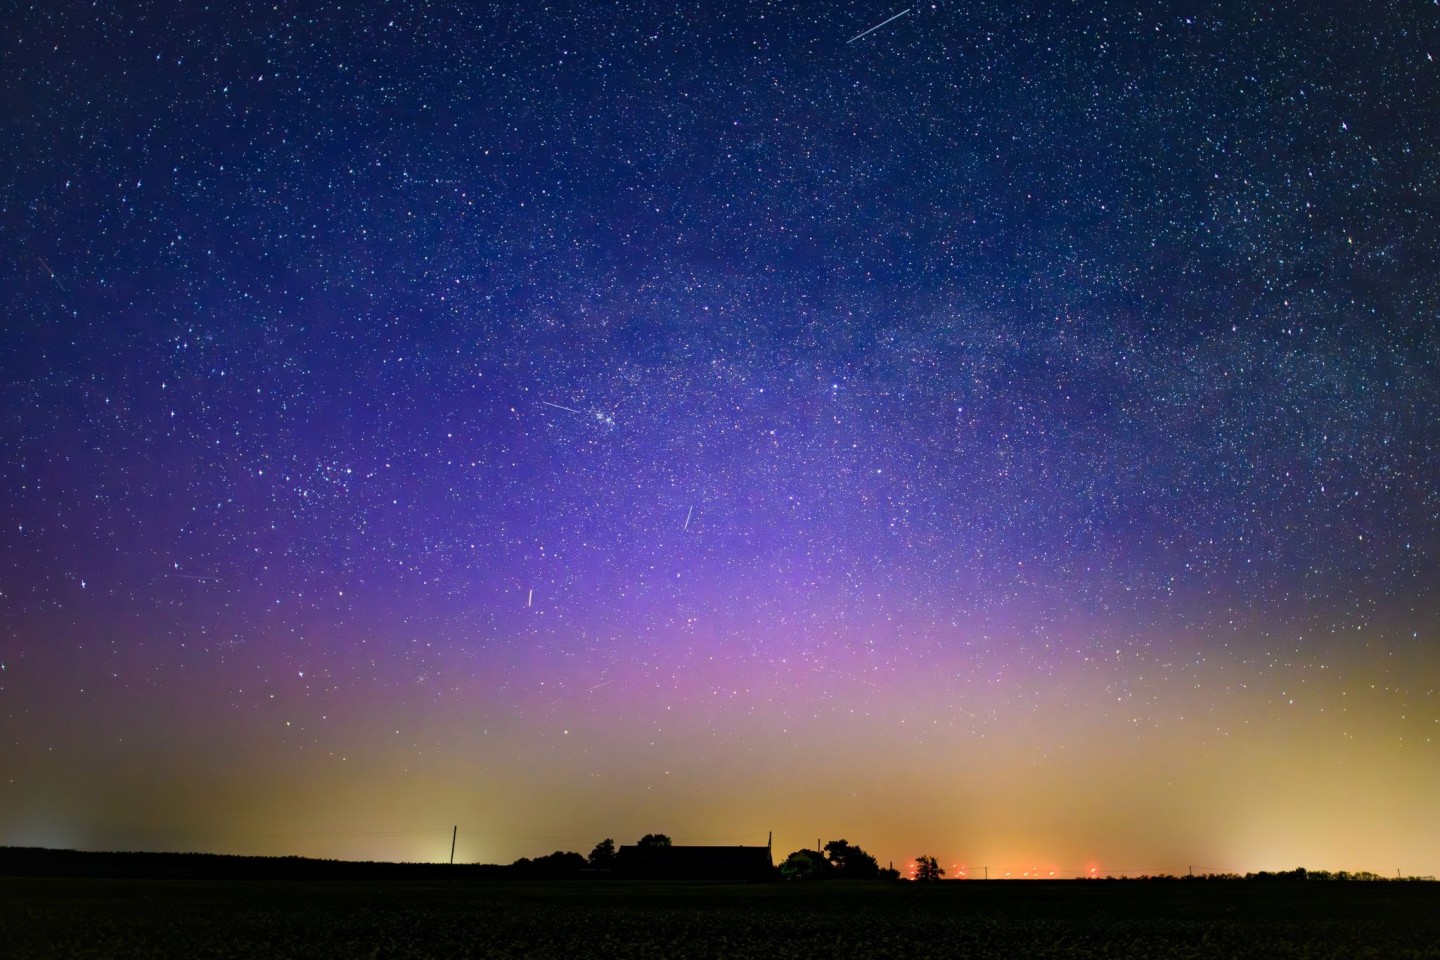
(559, 407)
(52, 275)
(879, 25)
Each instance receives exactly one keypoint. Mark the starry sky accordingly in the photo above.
(1010, 434)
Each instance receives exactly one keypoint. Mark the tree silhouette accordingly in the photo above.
(927, 869)
(561, 863)
(804, 865)
(654, 840)
(603, 856)
(850, 863)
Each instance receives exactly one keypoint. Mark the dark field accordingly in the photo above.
(58, 918)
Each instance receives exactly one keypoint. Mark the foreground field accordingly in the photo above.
(48, 918)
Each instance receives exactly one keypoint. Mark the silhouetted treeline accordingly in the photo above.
(1299, 873)
(41, 862)
(561, 863)
(845, 860)
(840, 860)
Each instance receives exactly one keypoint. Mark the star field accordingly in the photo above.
(1011, 433)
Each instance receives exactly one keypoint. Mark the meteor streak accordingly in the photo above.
(879, 25)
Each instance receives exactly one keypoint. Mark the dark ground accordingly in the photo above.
(61, 918)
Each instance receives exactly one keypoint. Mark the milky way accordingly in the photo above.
(1008, 433)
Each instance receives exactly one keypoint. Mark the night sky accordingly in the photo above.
(1012, 434)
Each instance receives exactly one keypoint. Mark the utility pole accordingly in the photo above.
(987, 873)
(453, 834)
